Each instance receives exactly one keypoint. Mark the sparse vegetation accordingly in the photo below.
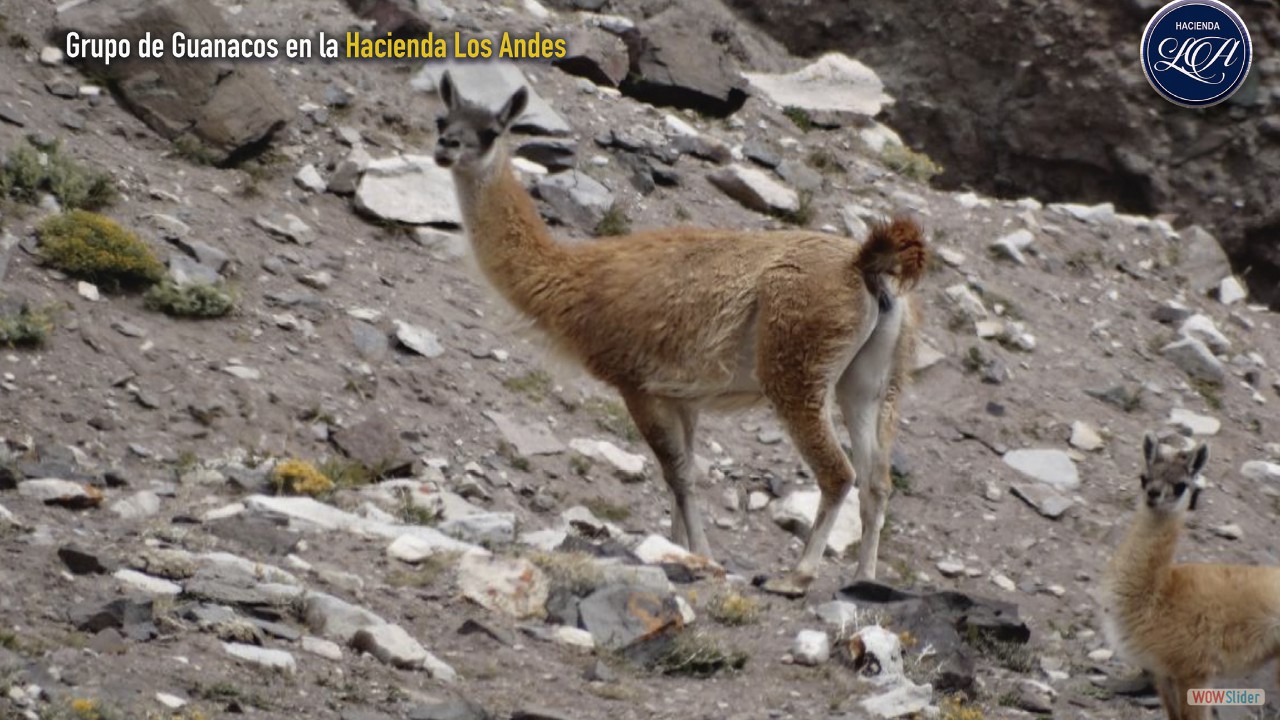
(94, 247)
(612, 416)
(909, 163)
(734, 609)
(577, 573)
(799, 116)
(579, 464)
(955, 708)
(346, 473)
(26, 329)
(1210, 391)
(804, 213)
(608, 511)
(1009, 655)
(190, 148)
(824, 161)
(299, 477)
(698, 655)
(682, 213)
(535, 384)
(194, 300)
(508, 452)
(29, 171)
(411, 513)
(615, 222)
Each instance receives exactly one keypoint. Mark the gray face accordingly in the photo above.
(1169, 479)
(467, 133)
(466, 137)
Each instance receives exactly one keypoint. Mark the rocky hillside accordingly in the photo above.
(982, 88)
(268, 447)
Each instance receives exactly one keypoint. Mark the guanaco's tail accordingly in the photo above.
(893, 249)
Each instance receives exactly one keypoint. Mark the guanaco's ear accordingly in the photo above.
(1199, 456)
(1150, 448)
(447, 93)
(513, 109)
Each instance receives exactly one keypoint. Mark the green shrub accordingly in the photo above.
(25, 329)
(197, 300)
(29, 171)
(799, 116)
(95, 248)
(615, 222)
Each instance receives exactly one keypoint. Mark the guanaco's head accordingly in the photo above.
(469, 134)
(1170, 476)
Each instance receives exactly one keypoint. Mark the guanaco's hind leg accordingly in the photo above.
(668, 427)
(1188, 711)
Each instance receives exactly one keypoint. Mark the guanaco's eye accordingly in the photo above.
(1146, 479)
(487, 137)
(1179, 488)
(441, 122)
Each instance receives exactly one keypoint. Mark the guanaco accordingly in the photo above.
(1186, 624)
(683, 319)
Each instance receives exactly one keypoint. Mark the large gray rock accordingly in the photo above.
(673, 64)
(797, 511)
(490, 85)
(230, 108)
(619, 615)
(408, 189)
(1195, 359)
(576, 198)
(528, 440)
(1204, 263)
(596, 55)
(833, 82)
(375, 443)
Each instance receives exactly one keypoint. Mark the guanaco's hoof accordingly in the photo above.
(787, 586)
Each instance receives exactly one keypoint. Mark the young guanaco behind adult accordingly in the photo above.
(1186, 624)
(681, 319)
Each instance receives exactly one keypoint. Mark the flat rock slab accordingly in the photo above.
(528, 440)
(833, 82)
(1195, 359)
(490, 85)
(409, 189)
(755, 189)
(54, 491)
(1193, 422)
(1044, 499)
(230, 108)
(278, 660)
(576, 198)
(1052, 467)
(419, 340)
(308, 514)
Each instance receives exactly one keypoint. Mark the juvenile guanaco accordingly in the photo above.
(681, 319)
(1186, 624)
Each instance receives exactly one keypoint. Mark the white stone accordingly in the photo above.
(811, 647)
(1101, 654)
(263, 657)
(628, 466)
(536, 9)
(137, 506)
(1202, 328)
(1003, 582)
(335, 618)
(1231, 291)
(1230, 531)
(1052, 467)
(49, 490)
(657, 550)
(675, 126)
(528, 440)
(755, 189)
(1012, 245)
(1194, 423)
(1261, 471)
(950, 568)
(311, 514)
(322, 648)
(419, 340)
(173, 702)
(308, 178)
(1084, 437)
(757, 500)
(573, 637)
(482, 528)
(409, 189)
(6, 517)
(147, 584)
(242, 372)
(968, 303)
(50, 55)
(797, 511)
(832, 82)
(391, 645)
(512, 586)
(88, 291)
(907, 699)
(951, 257)
(414, 549)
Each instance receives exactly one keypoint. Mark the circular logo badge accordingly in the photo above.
(1196, 53)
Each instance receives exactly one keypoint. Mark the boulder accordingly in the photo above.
(575, 198)
(674, 63)
(409, 189)
(755, 189)
(833, 82)
(599, 56)
(229, 108)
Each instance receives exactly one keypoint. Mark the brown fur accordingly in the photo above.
(681, 319)
(1187, 624)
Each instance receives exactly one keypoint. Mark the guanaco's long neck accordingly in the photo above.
(512, 244)
(1145, 556)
